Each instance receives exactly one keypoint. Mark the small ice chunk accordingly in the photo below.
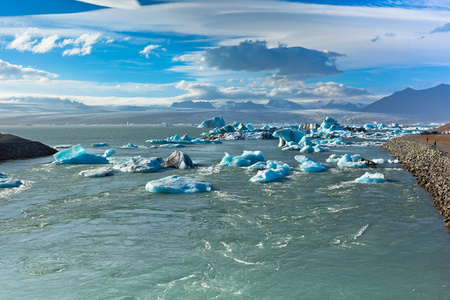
(171, 146)
(247, 158)
(129, 146)
(178, 185)
(307, 149)
(100, 145)
(309, 165)
(100, 172)
(333, 158)
(346, 161)
(140, 164)
(273, 170)
(379, 161)
(371, 178)
(9, 182)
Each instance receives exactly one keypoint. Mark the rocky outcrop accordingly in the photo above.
(179, 160)
(429, 165)
(14, 147)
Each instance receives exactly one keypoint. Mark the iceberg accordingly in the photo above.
(77, 155)
(179, 160)
(371, 178)
(307, 149)
(333, 158)
(130, 146)
(101, 172)
(213, 123)
(100, 145)
(247, 158)
(6, 182)
(272, 170)
(309, 165)
(288, 135)
(346, 161)
(140, 164)
(178, 185)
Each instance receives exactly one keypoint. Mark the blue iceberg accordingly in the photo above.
(178, 185)
(247, 158)
(346, 161)
(288, 135)
(309, 165)
(6, 182)
(213, 123)
(273, 170)
(371, 178)
(77, 155)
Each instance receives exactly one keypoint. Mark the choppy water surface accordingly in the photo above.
(312, 235)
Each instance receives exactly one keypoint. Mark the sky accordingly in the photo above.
(145, 52)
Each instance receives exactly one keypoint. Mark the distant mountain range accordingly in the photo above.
(192, 104)
(431, 103)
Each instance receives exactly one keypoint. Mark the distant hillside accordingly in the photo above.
(283, 104)
(430, 103)
(341, 105)
(192, 104)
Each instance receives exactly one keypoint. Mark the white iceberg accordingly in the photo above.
(346, 161)
(307, 149)
(371, 178)
(140, 164)
(309, 165)
(100, 172)
(273, 170)
(100, 144)
(247, 158)
(130, 146)
(77, 155)
(178, 185)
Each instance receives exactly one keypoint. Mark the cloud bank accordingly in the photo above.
(10, 71)
(255, 56)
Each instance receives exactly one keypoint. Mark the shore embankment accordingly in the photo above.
(14, 147)
(429, 165)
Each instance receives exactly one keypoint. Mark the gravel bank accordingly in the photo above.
(429, 165)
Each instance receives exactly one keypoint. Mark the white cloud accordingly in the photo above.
(46, 44)
(149, 50)
(10, 71)
(82, 44)
(255, 56)
(124, 4)
(22, 42)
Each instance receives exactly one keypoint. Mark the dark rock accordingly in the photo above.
(14, 147)
(179, 160)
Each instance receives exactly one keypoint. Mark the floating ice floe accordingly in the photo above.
(130, 146)
(247, 158)
(140, 164)
(371, 178)
(272, 170)
(309, 165)
(346, 161)
(179, 160)
(78, 155)
(6, 182)
(307, 149)
(178, 185)
(100, 145)
(100, 172)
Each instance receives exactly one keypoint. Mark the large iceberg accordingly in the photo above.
(213, 123)
(78, 155)
(247, 158)
(178, 185)
(371, 178)
(271, 170)
(288, 135)
(140, 164)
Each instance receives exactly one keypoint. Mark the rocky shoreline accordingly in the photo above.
(14, 147)
(429, 165)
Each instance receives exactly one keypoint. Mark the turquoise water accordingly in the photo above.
(310, 236)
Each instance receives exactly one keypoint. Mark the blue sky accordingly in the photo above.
(130, 52)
